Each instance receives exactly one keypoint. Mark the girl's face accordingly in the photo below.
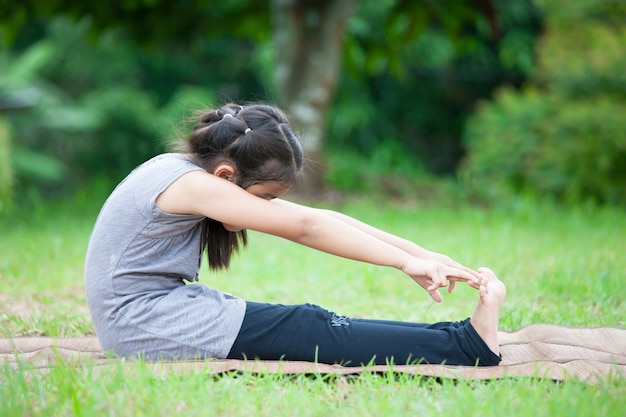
(265, 190)
(268, 190)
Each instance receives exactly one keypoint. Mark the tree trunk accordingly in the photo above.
(308, 40)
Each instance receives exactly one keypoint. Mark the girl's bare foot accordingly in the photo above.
(487, 313)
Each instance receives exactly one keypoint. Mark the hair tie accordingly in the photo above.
(247, 130)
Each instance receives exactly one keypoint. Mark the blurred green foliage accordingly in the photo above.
(109, 92)
(388, 170)
(564, 134)
(108, 98)
(6, 173)
(420, 92)
(101, 106)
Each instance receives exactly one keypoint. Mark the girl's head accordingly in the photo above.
(255, 139)
(257, 142)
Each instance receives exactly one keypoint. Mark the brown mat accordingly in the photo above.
(538, 350)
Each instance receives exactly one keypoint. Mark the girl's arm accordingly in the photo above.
(198, 192)
(404, 244)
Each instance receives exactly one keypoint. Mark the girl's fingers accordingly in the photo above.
(457, 274)
(435, 296)
(439, 278)
(451, 275)
(457, 265)
(439, 275)
(473, 284)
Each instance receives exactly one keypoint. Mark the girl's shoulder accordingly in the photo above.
(157, 173)
(169, 159)
(164, 166)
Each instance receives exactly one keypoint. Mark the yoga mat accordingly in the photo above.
(538, 350)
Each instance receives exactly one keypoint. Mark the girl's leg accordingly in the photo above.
(310, 333)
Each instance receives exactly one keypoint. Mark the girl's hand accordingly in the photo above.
(446, 260)
(433, 275)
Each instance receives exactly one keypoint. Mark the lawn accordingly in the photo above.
(562, 265)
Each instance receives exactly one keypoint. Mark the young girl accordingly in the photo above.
(152, 231)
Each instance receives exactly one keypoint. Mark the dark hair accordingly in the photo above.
(259, 143)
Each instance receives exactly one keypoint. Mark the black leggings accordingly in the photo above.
(310, 333)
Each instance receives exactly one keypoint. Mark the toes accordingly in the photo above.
(483, 291)
(488, 273)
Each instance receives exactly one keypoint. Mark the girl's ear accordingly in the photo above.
(226, 171)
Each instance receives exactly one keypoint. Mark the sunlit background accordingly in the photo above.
(491, 97)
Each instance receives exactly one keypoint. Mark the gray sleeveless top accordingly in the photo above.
(140, 269)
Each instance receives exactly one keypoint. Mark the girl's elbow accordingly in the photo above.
(306, 230)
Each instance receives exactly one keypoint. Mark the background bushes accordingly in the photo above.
(426, 109)
(564, 134)
(6, 175)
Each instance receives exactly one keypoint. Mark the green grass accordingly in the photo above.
(562, 265)
(118, 391)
